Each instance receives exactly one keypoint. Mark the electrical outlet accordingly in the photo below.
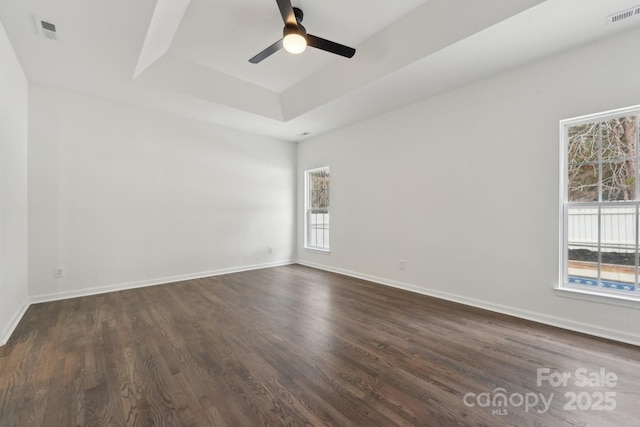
(270, 250)
(59, 272)
(401, 264)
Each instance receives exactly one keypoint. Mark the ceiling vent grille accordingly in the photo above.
(46, 28)
(625, 14)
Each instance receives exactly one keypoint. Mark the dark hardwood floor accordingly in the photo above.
(297, 346)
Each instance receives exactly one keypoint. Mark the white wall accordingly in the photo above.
(13, 189)
(121, 196)
(465, 186)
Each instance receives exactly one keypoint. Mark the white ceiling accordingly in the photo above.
(190, 57)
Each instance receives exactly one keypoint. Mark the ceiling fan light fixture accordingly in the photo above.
(294, 40)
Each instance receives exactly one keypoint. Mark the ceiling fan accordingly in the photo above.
(295, 38)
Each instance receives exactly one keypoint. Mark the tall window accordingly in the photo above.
(601, 202)
(317, 209)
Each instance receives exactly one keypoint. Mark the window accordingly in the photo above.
(317, 209)
(600, 203)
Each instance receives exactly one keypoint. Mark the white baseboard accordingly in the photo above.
(6, 334)
(498, 308)
(152, 282)
(524, 314)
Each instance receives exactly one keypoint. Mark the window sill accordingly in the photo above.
(325, 251)
(586, 295)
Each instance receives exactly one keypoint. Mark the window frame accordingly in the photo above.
(308, 210)
(599, 293)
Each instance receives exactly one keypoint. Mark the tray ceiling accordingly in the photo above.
(190, 57)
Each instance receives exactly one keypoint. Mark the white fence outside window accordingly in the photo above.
(617, 231)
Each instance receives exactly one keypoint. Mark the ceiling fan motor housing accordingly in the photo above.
(290, 29)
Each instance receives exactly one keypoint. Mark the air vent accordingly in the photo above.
(625, 14)
(46, 28)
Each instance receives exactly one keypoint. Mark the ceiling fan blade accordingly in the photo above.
(286, 10)
(267, 52)
(329, 46)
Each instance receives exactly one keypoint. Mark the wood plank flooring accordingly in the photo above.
(302, 347)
